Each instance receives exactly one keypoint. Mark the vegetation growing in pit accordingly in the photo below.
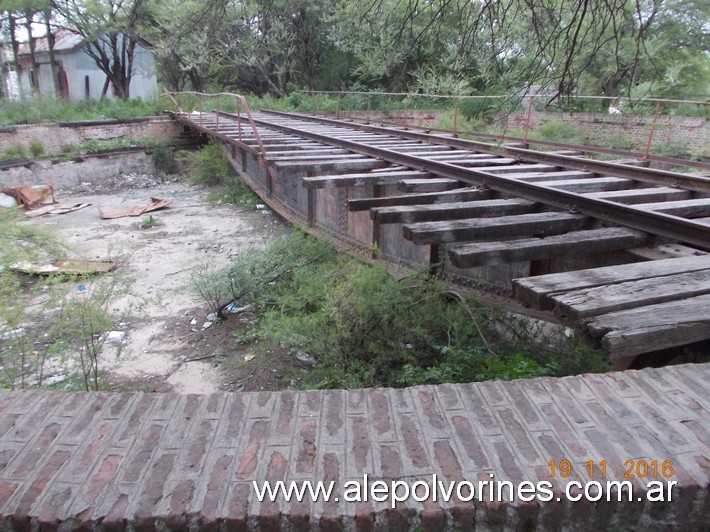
(365, 327)
(210, 166)
(52, 330)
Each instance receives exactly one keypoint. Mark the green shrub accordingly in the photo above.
(210, 166)
(365, 327)
(163, 157)
(14, 152)
(36, 148)
(558, 131)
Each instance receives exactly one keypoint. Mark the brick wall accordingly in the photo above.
(107, 461)
(56, 136)
(694, 131)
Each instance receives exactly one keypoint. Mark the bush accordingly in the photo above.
(364, 327)
(210, 166)
(163, 157)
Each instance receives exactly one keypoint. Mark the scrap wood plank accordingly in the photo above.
(691, 208)
(452, 211)
(604, 299)
(537, 292)
(351, 180)
(575, 242)
(434, 184)
(154, 205)
(426, 198)
(592, 184)
(645, 329)
(493, 228)
(642, 195)
(345, 165)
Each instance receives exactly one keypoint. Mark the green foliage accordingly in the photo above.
(50, 329)
(163, 156)
(557, 131)
(364, 327)
(149, 222)
(235, 192)
(37, 148)
(14, 152)
(47, 109)
(210, 166)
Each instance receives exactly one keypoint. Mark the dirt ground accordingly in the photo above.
(170, 344)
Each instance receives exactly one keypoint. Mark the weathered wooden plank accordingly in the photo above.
(306, 156)
(537, 292)
(518, 168)
(589, 241)
(691, 208)
(451, 211)
(644, 329)
(532, 177)
(642, 195)
(435, 184)
(593, 184)
(352, 180)
(428, 198)
(604, 299)
(489, 228)
(315, 167)
(282, 155)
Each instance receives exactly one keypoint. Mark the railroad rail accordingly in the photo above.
(615, 249)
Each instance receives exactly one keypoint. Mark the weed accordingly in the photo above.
(54, 333)
(210, 166)
(14, 152)
(37, 148)
(237, 193)
(366, 328)
(163, 157)
(150, 222)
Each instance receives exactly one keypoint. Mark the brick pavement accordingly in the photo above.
(165, 461)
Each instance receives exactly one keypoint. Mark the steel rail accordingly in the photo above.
(669, 226)
(647, 175)
(674, 161)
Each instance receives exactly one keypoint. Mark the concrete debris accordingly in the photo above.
(7, 202)
(207, 325)
(115, 337)
(15, 333)
(305, 358)
(247, 358)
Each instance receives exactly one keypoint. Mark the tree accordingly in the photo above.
(110, 29)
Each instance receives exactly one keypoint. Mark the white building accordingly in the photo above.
(79, 76)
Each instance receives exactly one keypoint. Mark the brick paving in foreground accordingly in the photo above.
(166, 461)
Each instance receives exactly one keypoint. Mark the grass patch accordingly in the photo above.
(47, 109)
(365, 327)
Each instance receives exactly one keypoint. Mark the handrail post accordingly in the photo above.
(202, 105)
(406, 97)
(337, 106)
(313, 102)
(653, 129)
(456, 115)
(527, 121)
(239, 118)
(368, 107)
(217, 115)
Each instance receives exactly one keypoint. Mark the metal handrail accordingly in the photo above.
(241, 103)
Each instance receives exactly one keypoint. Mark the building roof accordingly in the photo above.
(65, 40)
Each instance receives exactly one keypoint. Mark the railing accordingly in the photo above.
(526, 104)
(227, 104)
